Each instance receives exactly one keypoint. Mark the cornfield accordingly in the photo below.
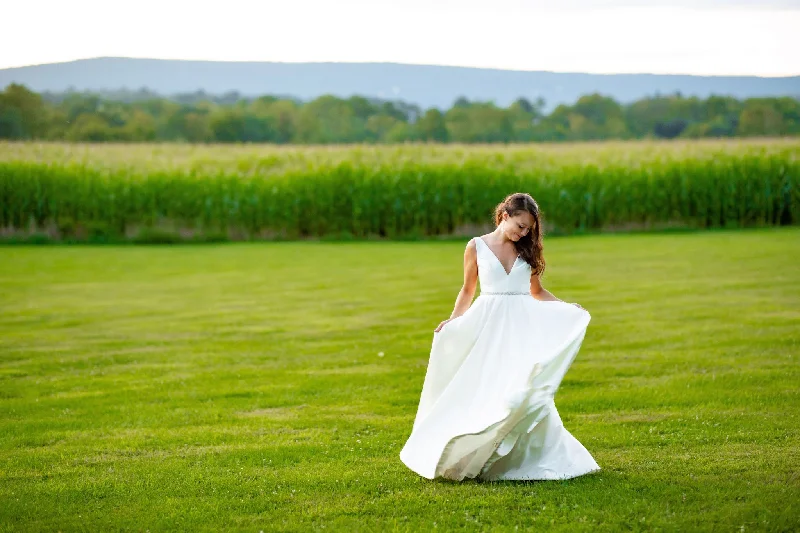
(190, 192)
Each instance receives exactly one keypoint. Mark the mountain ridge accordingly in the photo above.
(423, 85)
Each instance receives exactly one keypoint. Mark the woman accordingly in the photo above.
(486, 409)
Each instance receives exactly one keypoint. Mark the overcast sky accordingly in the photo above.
(711, 37)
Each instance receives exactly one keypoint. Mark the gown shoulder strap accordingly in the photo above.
(478, 247)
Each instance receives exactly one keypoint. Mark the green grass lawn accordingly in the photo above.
(241, 386)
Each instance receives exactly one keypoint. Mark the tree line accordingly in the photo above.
(200, 118)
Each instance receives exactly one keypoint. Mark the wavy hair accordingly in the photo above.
(529, 247)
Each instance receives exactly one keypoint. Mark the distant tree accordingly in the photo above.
(432, 127)
(170, 118)
(91, 128)
(329, 119)
(663, 113)
(402, 111)
(361, 107)
(229, 98)
(671, 128)
(524, 105)
(592, 117)
(11, 122)
(721, 106)
(789, 108)
(284, 117)
(139, 127)
(459, 124)
(760, 117)
(391, 109)
(491, 124)
(75, 105)
(196, 128)
(23, 114)
(227, 125)
(401, 132)
(480, 122)
(524, 116)
(235, 125)
(379, 126)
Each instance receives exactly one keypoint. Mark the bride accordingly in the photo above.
(487, 407)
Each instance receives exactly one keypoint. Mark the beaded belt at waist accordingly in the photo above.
(492, 292)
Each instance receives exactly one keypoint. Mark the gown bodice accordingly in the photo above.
(492, 275)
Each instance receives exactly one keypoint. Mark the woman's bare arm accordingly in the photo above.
(539, 292)
(467, 292)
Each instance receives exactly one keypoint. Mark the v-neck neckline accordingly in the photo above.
(508, 273)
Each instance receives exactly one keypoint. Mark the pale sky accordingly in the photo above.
(707, 37)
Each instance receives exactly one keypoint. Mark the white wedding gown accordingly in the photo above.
(486, 408)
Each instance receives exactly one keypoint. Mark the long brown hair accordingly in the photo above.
(529, 247)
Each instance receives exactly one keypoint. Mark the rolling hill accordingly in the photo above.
(427, 86)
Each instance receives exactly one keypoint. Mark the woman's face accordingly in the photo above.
(518, 226)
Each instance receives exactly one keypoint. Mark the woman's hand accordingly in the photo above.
(441, 325)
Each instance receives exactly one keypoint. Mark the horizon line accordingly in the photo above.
(638, 73)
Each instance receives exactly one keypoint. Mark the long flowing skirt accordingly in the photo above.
(487, 405)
